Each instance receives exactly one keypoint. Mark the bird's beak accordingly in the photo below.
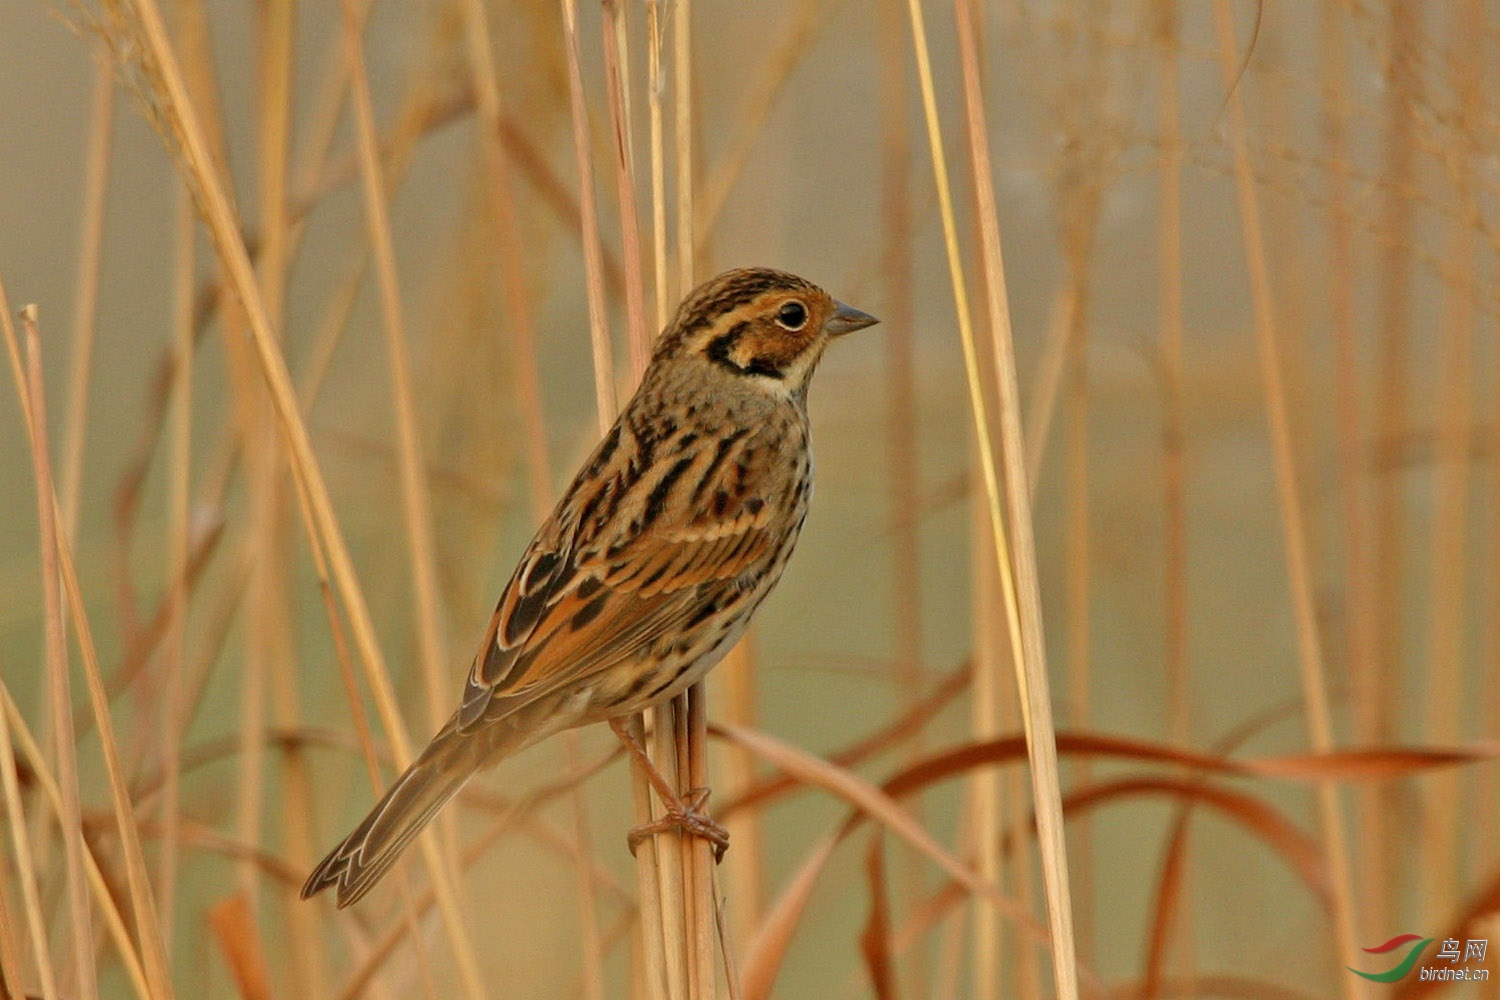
(847, 319)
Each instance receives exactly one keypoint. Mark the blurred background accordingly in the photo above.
(1250, 263)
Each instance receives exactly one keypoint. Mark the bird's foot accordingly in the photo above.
(689, 816)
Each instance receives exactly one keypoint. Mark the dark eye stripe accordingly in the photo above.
(718, 351)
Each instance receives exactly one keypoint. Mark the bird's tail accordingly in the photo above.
(365, 855)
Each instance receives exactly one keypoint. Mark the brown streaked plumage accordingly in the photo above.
(673, 532)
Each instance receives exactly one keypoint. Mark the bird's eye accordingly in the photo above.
(792, 315)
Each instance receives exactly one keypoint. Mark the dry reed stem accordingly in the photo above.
(593, 946)
(616, 65)
(662, 933)
(653, 946)
(501, 200)
(1023, 602)
(1176, 927)
(1078, 608)
(726, 941)
(750, 122)
(661, 964)
(986, 802)
(682, 138)
(86, 294)
(588, 214)
(1175, 667)
(669, 858)
(26, 872)
(978, 407)
(656, 84)
(1487, 854)
(902, 466)
(746, 864)
(59, 686)
(698, 876)
(415, 502)
(147, 927)
(188, 134)
(268, 649)
(103, 893)
(1047, 382)
(1299, 570)
(1362, 636)
(682, 731)
(263, 588)
(1388, 534)
(232, 923)
(1448, 571)
(173, 721)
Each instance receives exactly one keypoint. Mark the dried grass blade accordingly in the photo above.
(875, 802)
(1300, 852)
(875, 939)
(234, 928)
(1026, 629)
(774, 936)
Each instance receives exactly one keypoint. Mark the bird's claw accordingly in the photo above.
(686, 815)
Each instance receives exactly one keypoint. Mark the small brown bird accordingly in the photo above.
(667, 540)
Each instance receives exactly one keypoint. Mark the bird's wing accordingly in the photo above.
(634, 552)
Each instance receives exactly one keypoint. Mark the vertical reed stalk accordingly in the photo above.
(501, 199)
(588, 214)
(59, 686)
(173, 720)
(147, 927)
(36, 924)
(1354, 463)
(415, 500)
(1078, 610)
(86, 296)
(901, 469)
(1389, 528)
(1023, 600)
(638, 338)
(270, 652)
(1174, 472)
(188, 133)
(689, 715)
(1487, 813)
(682, 141)
(1443, 842)
(986, 801)
(1299, 569)
(656, 84)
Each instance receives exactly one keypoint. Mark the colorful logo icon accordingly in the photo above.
(1404, 966)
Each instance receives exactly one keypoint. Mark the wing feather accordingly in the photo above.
(611, 589)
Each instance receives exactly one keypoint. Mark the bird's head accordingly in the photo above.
(766, 326)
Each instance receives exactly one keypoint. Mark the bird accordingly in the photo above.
(650, 567)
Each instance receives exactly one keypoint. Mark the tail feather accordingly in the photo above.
(407, 807)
